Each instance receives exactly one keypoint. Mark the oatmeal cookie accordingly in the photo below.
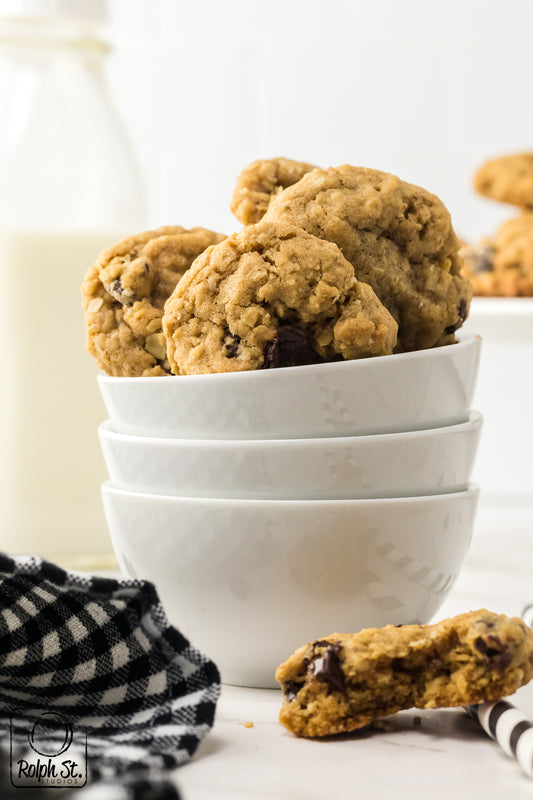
(503, 266)
(124, 293)
(513, 255)
(259, 182)
(477, 258)
(272, 296)
(508, 179)
(478, 265)
(344, 681)
(399, 239)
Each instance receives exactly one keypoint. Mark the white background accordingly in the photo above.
(426, 89)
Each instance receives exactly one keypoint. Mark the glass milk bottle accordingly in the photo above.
(69, 188)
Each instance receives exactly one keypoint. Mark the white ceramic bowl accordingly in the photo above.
(434, 461)
(248, 581)
(504, 393)
(408, 391)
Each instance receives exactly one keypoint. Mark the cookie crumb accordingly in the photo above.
(248, 724)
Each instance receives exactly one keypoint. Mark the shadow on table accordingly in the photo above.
(437, 724)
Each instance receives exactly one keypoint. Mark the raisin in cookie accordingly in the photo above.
(399, 239)
(259, 182)
(272, 296)
(344, 681)
(124, 293)
(508, 179)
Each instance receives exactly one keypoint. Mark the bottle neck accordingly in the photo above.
(41, 36)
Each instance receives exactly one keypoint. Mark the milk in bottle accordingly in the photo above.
(69, 187)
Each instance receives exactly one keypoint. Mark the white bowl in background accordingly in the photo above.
(407, 391)
(248, 581)
(504, 394)
(435, 461)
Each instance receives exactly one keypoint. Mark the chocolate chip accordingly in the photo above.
(462, 312)
(504, 661)
(480, 259)
(320, 643)
(290, 347)
(117, 290)
(485, 262)
(484, 647)
(231, 344)
(291, 689)
(452, 328)
(327, 667)
(124, 296)
(494, 653)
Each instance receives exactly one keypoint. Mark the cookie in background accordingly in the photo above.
(500, 267)
(501, 264)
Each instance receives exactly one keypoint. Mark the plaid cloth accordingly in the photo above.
(101, 654)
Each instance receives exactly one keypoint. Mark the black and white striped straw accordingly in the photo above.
(506, 724)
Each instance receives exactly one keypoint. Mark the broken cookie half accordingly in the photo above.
(345, 681)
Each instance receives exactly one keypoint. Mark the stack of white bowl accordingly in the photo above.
(274, 507)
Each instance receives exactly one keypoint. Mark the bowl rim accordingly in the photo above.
(470, 493)
(106, 432)
(465, 339)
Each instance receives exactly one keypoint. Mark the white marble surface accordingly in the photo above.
(445, 755)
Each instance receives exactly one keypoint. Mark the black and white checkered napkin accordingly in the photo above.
(102, 654)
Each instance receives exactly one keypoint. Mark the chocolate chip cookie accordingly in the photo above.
(398, 238)
(124, 293)
(259, 182)
(344, 681)
(272, 296)
(508, 179)
(503, 265)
